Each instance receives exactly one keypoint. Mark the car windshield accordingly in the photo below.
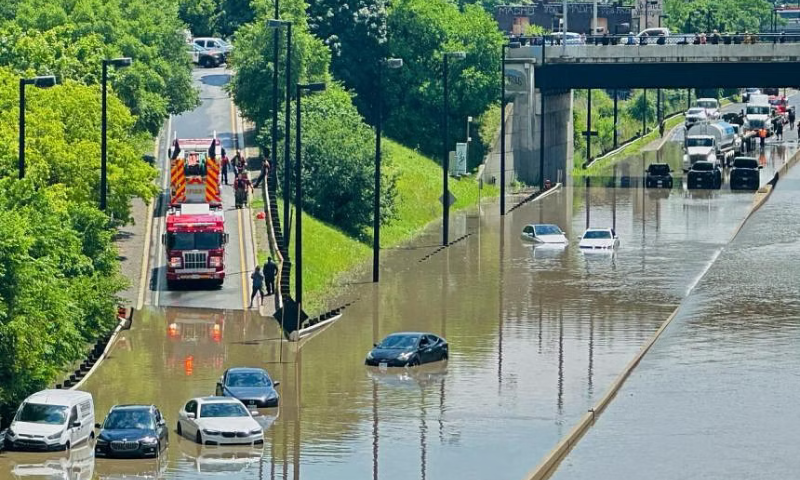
(222, 410)
(699, 142)
(696, 111)
(248, 379)
(702, 166)
(194, 241)
(41, 413)
(758, 110)
(707, 104)
(402, 342)
(595, 234)
(745, 163)
(659, 169)
(547, 230)
(129, 419)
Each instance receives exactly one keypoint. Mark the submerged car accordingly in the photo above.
(658, 176)
(252, 386)
(745, 174)
(704, 175)
(408, 349)
(599, 239)
(132, 431)
(219, 421)
(544, 233)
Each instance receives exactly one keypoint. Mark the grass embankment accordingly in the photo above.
(330, 254)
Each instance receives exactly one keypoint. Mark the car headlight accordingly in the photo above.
(405, 355)
(55, 436)
(211, 432)
(369, 356)
(255, 431)
(102, 441)
(149, 441)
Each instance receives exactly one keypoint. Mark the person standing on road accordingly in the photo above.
(779, 131)
(237, 163)
(258, 284)
(241, 186)
(224, 166)
(264, 169)
(791, 118)
(762, 135)
(270, 271)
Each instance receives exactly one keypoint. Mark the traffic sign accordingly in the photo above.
(451, 198)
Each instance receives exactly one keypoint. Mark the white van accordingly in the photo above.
(52, 420)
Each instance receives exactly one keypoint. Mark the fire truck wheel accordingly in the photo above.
(218, 283)
(171, 284)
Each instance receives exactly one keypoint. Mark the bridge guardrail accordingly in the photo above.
(688, 39)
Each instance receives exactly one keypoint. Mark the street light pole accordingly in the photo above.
(275, 23)
(275, 49)
(446, 159)
(298, 200)
(503, 126)
(41, 82)
(376, 212)
(119, 63)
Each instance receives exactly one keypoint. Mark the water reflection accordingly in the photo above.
(75, 464)
(109, 469)
(219, 460)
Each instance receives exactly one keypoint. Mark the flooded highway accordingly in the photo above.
(716, 396)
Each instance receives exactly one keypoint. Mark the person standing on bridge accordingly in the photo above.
(258, 284)
(270, 272)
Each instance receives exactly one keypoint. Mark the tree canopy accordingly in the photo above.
(722, 15)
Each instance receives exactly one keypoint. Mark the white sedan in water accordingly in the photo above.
(219, 421)
(603, 239)
(544, 234)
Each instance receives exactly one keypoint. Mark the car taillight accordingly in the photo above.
(175, 262)
(215, 261)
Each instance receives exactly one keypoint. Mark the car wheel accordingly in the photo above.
(171, 284)
(91, 436)
(178, 429)
(67, 445)
(414, 362)
(445, 355)
(158, 449)
(198, 438)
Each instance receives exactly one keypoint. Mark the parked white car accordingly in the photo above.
(599, 239)
(52, 420)
(219, 421)
(544, 233)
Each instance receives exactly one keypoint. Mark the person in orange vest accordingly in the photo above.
(762, 134)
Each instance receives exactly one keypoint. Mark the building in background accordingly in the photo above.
(611, 17)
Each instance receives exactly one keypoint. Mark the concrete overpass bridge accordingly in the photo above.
(540, 77)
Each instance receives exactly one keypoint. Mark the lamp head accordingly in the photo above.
(394, 62)
(43, 81)
(457, 55)
(312, 87)
(273, 23)
(120, 62)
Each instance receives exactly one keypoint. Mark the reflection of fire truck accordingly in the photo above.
(195, 244)
(195, 340)
(195, 171)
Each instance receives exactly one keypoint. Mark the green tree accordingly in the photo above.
(642, 107)
(723, 15)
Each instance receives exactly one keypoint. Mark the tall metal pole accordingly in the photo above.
(647, 14)
(658, 107)
(376, 210)
(589, 126)
(103, 140)
(446, 162)
(21, 128)
(644, 113)
(298, 208)
(564, 30)
(288, 136)
(502, 133)
(594, 17)
(275, 37)
(541, 142)
(616, 117)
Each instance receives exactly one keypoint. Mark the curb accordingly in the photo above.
(109, 341)
(148, 232)
(549, 464)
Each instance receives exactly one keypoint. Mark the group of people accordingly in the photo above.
(242, 184)
(260, 278)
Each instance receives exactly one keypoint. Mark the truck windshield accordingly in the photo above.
(759, 110)
(194, 241)
(699, 142)
(707, 104)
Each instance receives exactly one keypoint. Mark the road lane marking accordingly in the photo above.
(241, 259)
(162, 221)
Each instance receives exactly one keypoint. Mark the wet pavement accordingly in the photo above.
(536, 336)
(716, 396)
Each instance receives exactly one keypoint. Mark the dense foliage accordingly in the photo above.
(70, 38)
(215, 17)
(722, 15)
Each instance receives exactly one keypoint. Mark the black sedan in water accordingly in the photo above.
(658, 176)
(132, 431)
(745, 174)
(408, 349)
(251, 386)
(704, 175)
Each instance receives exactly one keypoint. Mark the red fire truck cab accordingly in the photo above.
(195, 244)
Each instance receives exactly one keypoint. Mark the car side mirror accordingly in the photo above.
(760, 167)
(162, 422)
(374, 344)
(75, 424)
(275, 384)
(190, 415)
(225, 238)
(96, 425)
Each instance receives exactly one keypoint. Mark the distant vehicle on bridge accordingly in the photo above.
(658, 176)
(544, 234)
(704, 175)
(745, 174)
(572, 38)
(599, 239)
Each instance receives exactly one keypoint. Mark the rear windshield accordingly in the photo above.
(703, 166)
(194, 241)
(745, 163)
(695, 111)
(707, 104)
(658, 169)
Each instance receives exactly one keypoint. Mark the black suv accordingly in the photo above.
(704, 175)
(132, 431)
(745, 174)
(658, 176)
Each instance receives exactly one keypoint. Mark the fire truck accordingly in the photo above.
(195, 171)
(195, 243)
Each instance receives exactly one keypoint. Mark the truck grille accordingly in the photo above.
(698, 158)
(194, 259)
(122, 446)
